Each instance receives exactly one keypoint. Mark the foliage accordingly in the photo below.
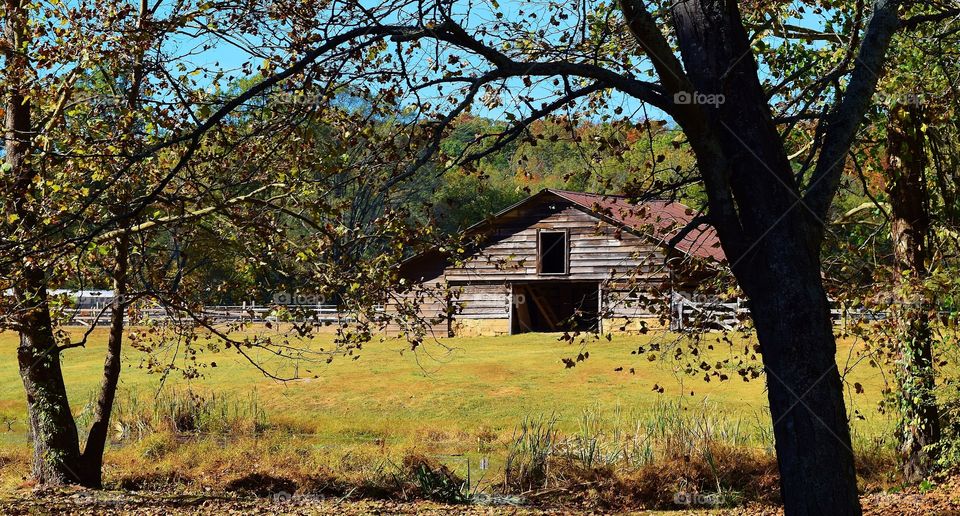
(436, 481)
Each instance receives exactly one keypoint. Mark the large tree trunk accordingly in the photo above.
(56, 449)
(792, 316)
(99, 429)
(772, 242)
(919, 426)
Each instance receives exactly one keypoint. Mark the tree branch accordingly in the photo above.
(450, 32)
(647, 34)
(844, 122)
(915, 21)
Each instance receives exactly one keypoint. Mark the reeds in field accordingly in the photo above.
(528, 457)
(667, 430)
(672, 451)
(181, 412)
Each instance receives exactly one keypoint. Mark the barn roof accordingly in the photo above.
(660, 219)
(657, 219)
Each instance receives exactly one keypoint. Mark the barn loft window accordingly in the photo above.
(552, 249)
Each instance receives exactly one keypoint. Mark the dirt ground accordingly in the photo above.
(943, 499)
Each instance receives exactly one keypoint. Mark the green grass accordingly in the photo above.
(463, 386)
(357, 423)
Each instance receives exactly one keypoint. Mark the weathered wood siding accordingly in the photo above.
(626, 266)
(598, 250)
(482, 301)
(428, 296)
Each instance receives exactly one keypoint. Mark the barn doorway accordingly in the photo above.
(554, 307)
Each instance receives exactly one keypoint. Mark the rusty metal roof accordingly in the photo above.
(660, 219)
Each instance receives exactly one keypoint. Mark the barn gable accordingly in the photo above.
(562, 258)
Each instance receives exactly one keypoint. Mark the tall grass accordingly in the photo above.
(670, 429)
(532, 445)
(181, 412)
(618, 460)
(611, 460)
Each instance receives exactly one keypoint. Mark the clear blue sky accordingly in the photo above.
(230, 59)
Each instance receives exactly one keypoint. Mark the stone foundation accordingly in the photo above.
(633, 324)
(481, 327)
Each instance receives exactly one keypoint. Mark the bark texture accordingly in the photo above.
(56, 454)
(56, 449)
(919, 427)
(773, 244)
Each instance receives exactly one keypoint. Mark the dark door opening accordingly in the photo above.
(554, 307)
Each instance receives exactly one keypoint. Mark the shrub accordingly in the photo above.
(435, 481)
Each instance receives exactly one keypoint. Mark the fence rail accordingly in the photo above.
(217, 314)
(688, 314)
(685, 314)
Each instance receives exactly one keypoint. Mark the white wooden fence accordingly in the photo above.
(685, 314)
(688, 314)
(217, 314)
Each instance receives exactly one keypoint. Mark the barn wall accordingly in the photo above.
(425, 274)
(481, 309)
(481, 301)
(431, 307)
(622, 262)
(598, 251)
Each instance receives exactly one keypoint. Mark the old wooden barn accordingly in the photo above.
(560, 261)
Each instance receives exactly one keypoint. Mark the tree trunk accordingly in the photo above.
(919, 426)
(56, 449)
(99, 429)
(771, 241)
(792, 316)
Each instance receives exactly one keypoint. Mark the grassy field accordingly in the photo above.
(463, 384)
(460, 400)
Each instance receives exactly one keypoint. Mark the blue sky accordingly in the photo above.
(229, 58)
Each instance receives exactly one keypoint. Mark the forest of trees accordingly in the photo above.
(647, 160)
